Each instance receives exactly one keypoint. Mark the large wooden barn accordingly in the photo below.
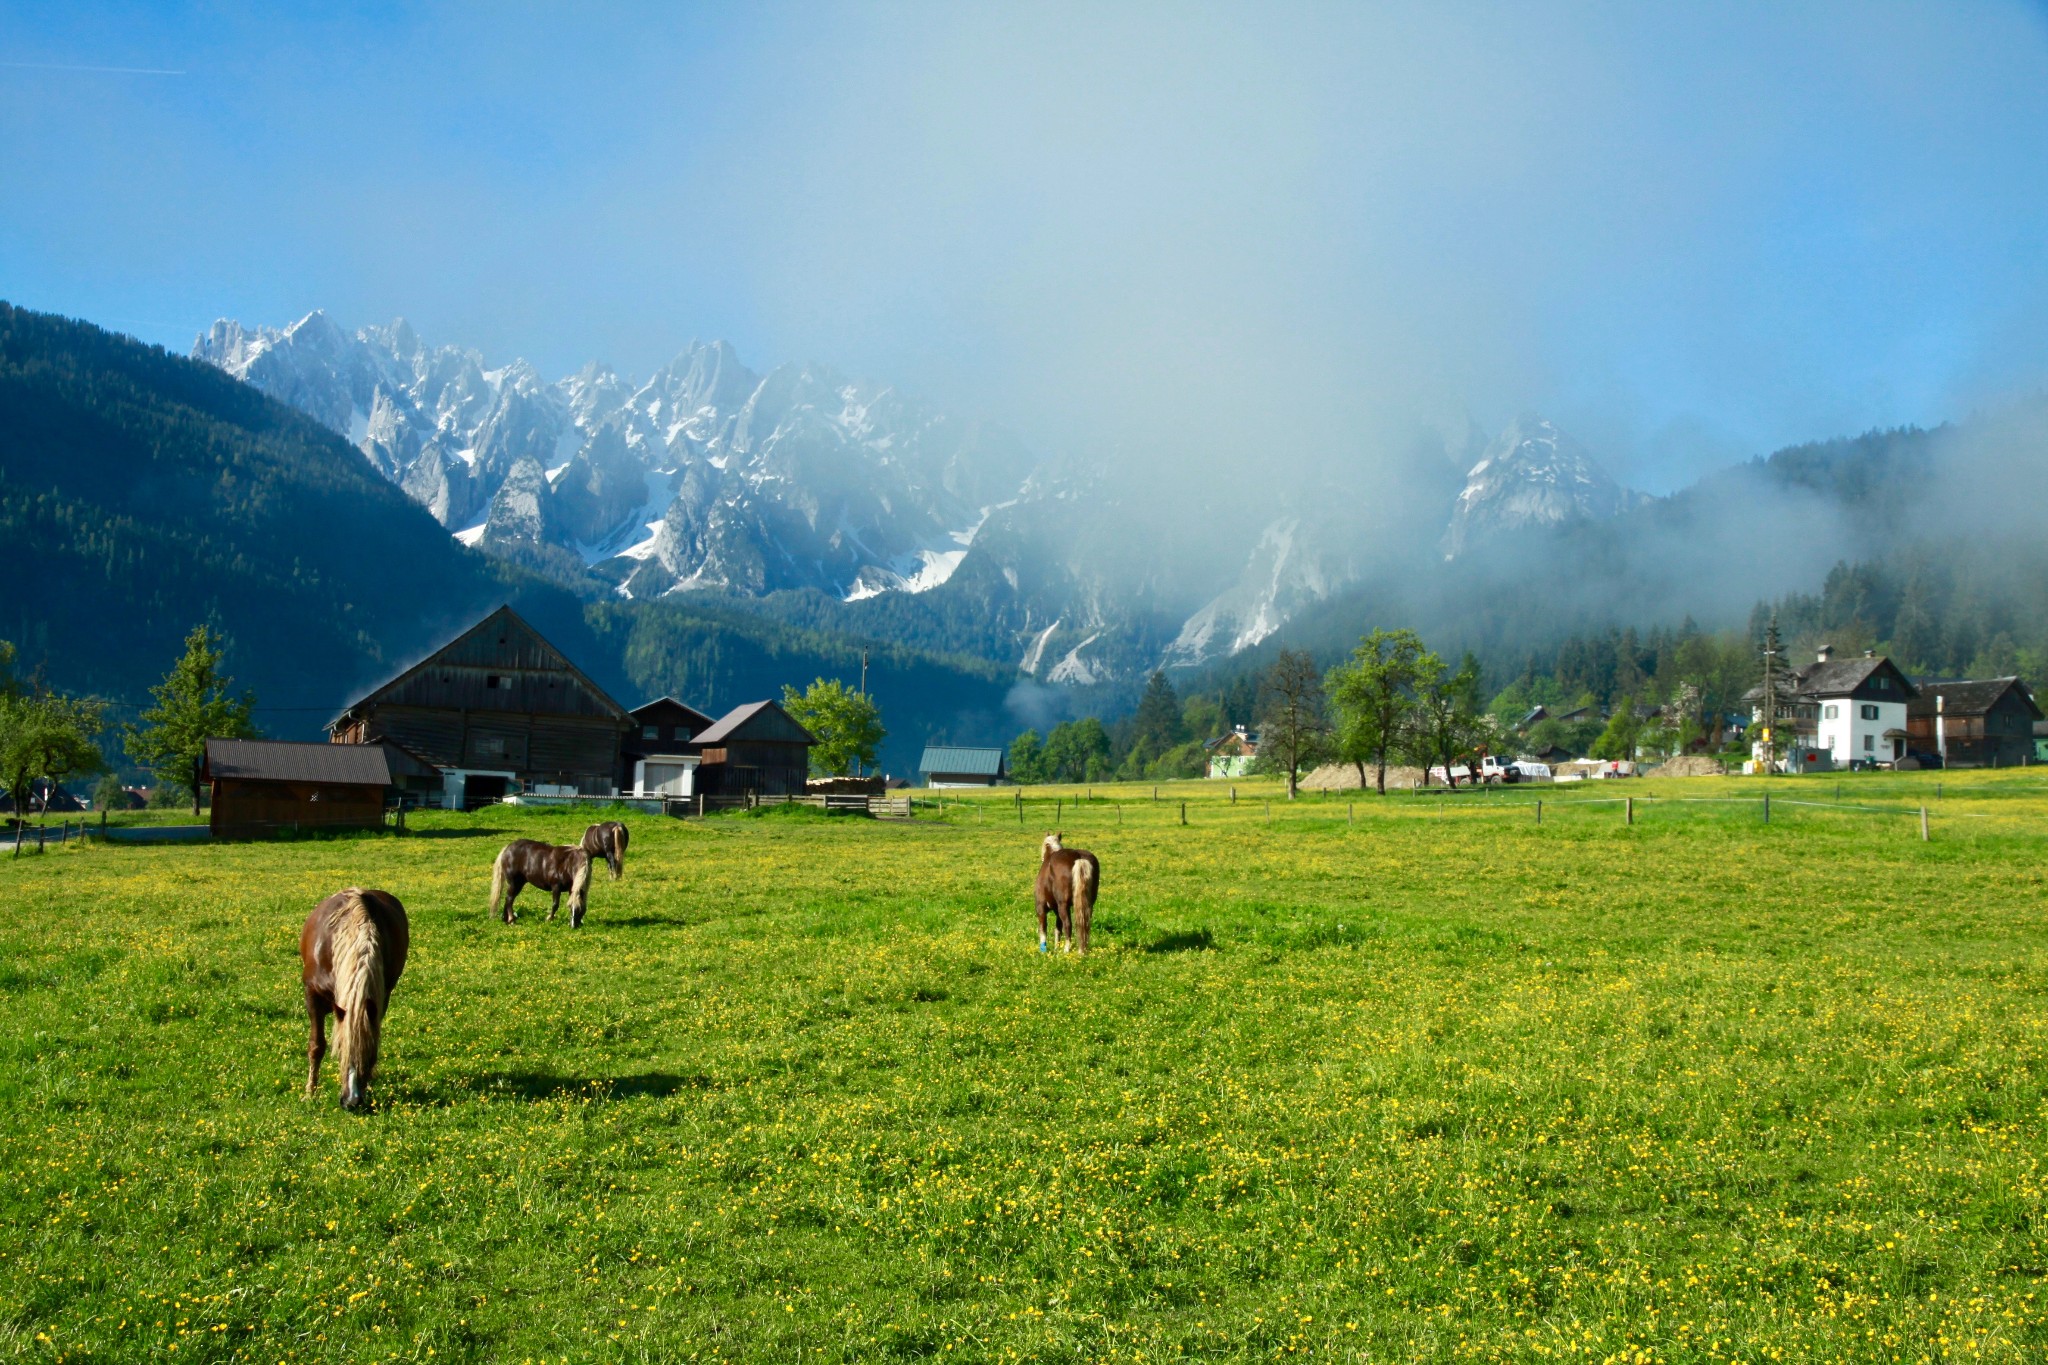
(758, 748)
(497, 709)
(261, 787)
(1974, 723)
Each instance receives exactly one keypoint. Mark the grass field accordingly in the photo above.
(1424, 1081)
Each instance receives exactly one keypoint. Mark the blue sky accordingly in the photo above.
(1203, 236)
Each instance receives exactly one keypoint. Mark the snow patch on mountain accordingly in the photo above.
(706, 474)
(1532, 475)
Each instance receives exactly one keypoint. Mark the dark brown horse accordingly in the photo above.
(550, 867)
(1067, 881)
(353, 949)
(608, 841)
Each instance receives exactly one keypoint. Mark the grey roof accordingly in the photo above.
(272, 760)
(1833, 678)
(732, 720)
(956, 758)
(698, 720)
(1968, 696)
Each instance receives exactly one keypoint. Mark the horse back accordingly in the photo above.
(316, 938)
(1056, 875)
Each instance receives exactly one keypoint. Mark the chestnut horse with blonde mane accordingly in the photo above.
(352, 951)
(1067, 881)
(551, 867)
(608, 841)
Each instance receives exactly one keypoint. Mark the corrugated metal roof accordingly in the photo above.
(272, 760)
(954, 758)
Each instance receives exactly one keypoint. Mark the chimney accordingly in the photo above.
(1870, 654)
(1827, 652)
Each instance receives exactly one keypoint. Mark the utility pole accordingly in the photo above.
(1772, 648)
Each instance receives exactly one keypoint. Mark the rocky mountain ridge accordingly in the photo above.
(797, 484)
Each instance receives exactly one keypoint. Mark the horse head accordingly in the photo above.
(1052, 846)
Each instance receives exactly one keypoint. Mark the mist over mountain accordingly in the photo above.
(845, 507)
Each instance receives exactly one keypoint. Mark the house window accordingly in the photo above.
(1832, 712)
(1869, 743)
(1870, 713)
(1882, 683)
(650, 732)
(493, 680)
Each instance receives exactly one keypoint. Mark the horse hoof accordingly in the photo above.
(1042, 948)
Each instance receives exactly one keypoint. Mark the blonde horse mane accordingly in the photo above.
(358, 985)
(579, 890)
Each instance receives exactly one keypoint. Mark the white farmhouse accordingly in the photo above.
(1852, 710)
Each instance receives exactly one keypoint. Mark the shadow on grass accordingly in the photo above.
(479, 833)
(541, 1085)
(1185, 941)
(636, 921)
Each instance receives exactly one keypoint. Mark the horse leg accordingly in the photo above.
(316, 1040)
(513, 886)
(1065, 910)
(1083, 914)
(1041, 926)
(556, 906)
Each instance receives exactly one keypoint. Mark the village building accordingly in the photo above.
(956, 765)
(261, 786)
(496, 710)
(1232, 755)
(1851, 710)
(758, 749)
(1974, 723)
(660, 752)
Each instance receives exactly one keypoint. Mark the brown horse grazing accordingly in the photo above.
(353, 949)
(608, 841)
(1067, 881)
(550, 867)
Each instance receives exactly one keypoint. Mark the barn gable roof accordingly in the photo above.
(1969, 696)
(757, 720)
(271, 760)
(504, 641)
(668, 710)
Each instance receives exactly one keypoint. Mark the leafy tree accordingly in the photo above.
(193, 705)
(44, 735)
(1373, 695)
(845, 723)
(107, 792)
(1618, 740)
(1294, 724)
(1077, 751)
(1446, 723)
(1027, 757)
(1202, 718)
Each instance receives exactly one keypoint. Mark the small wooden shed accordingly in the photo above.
(758, 748)
(262, 786)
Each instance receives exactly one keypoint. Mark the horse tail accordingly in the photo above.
(498, 877)
(579, 889)
(358, 986)
(1084, 883)
(618, 851)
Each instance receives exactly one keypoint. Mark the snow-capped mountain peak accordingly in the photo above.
(1532, 474)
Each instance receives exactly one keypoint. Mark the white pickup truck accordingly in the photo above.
(1492, 769)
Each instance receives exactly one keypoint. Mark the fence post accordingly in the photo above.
(1351, 812)
(1767, 808)
(1059, 811)
(1923, 824)
(1183, 812)
(1937, 791)
(1629, 809)
(1269, 812)
(1233, 796)
(1155, 793)
(1539, 810)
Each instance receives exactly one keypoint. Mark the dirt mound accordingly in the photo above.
(1689, 765)
(1341, 777)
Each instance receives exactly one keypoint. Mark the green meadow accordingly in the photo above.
(1413, 1078)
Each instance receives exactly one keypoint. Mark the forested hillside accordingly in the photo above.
(141, 493)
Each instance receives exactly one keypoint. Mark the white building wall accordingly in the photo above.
(1852, 729)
